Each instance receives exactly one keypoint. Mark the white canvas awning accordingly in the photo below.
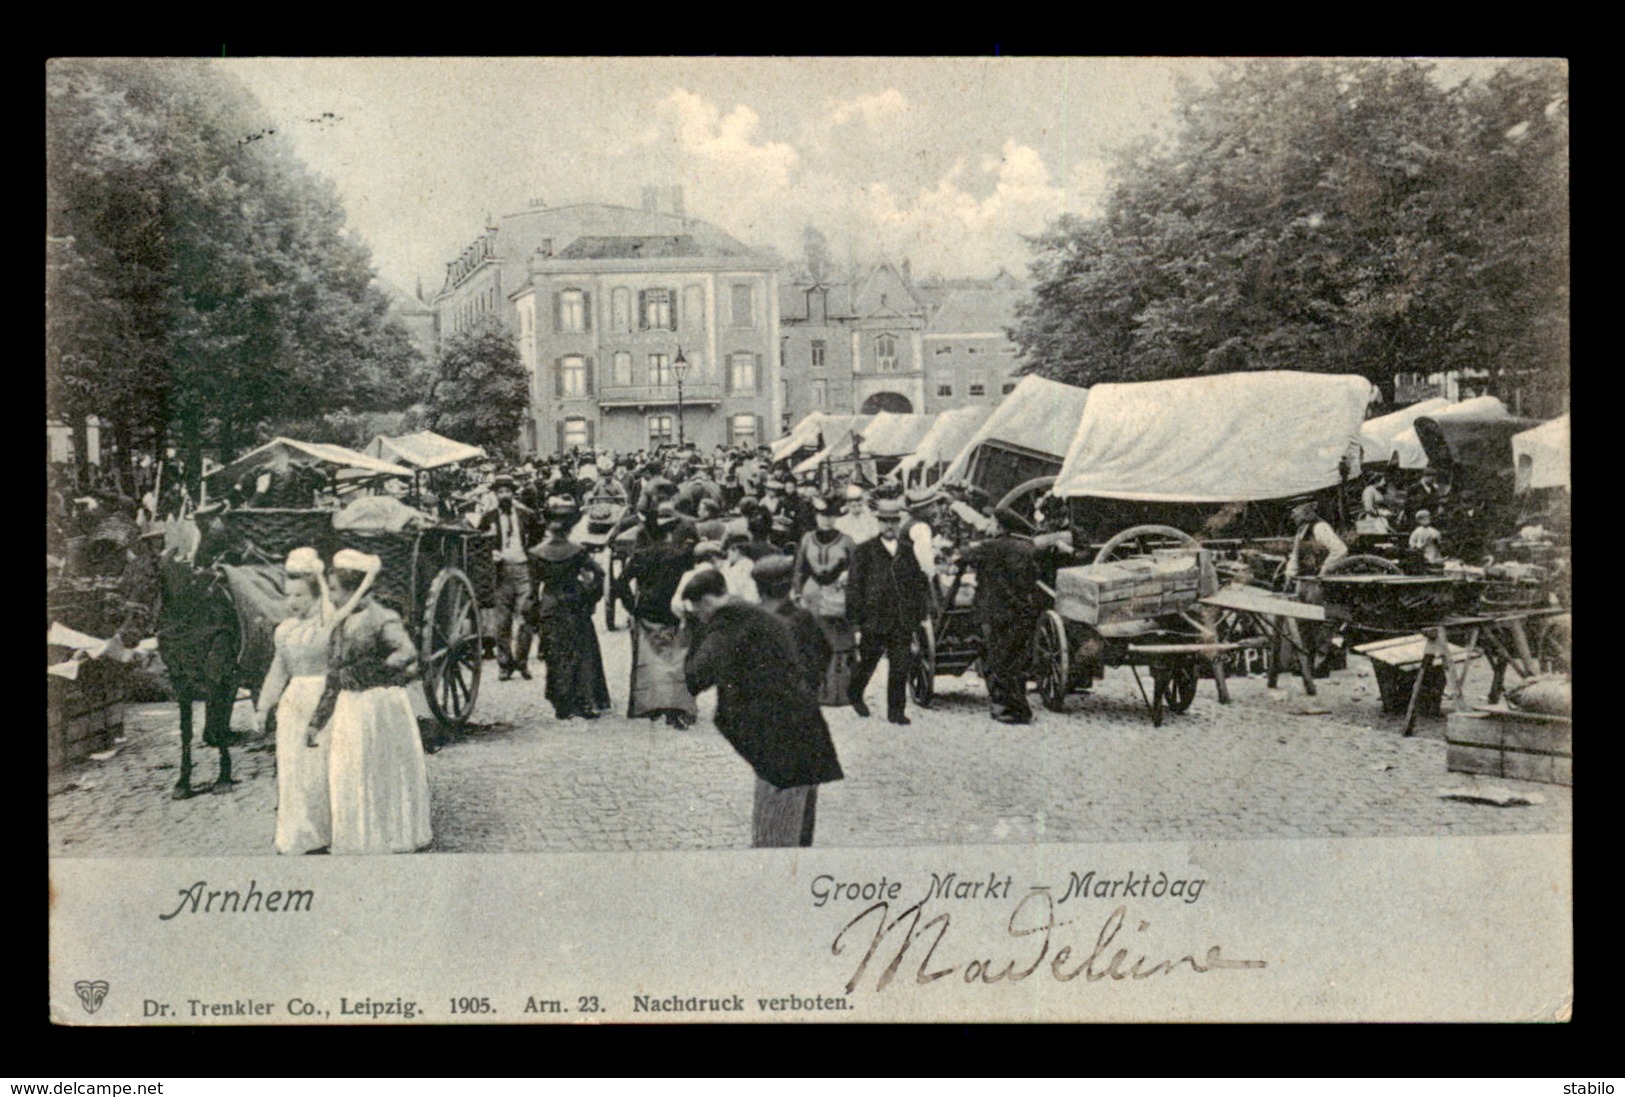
(1408, 445)
(281, 454)
(1377, 435)
(817, 424)
(893, 434)
(1542, 455)
(1227, 438)
(1039, 415)
(946, 437)
(423, 450)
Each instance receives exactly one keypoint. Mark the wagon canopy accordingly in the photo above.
(1481, 409)
(1039, 415)
(946, 437)
(422, 450)
(1228, 438)
(1483, 445)
(888, 434)
(816, 425)
(1377, 435)
(282, 454)
(1542, 455)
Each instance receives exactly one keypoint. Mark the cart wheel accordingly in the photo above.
(1024, 498)
(1136, 540)
(922, 680)
(1181, 685)
(1051, 660)
(451, 648)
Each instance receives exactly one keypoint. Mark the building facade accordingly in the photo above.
(880, 341)
(610, 305)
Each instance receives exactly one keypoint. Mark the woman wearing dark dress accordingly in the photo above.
(570, 583)
(819, 582)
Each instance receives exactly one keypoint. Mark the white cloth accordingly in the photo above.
(1325, 537)
(1425, 539)
(378, 780)
(304, 813)
(919, 535)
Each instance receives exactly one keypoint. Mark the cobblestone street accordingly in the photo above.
(1273, 764)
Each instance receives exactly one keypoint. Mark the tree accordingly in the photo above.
(481, 393)
(1343, 217)
(201, 280)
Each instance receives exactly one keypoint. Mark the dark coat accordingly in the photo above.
(765, 708)
(811, 643)
(1007, 577)
(886, 593)
(531, 532)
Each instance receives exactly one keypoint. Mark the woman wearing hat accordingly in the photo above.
(659, 641)
(819, 579)
(570, 584)
(378, 783)
(293, 688)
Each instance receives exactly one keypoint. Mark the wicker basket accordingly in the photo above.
(396, 550)
(278, 532)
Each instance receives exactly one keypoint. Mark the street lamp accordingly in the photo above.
(679, 370)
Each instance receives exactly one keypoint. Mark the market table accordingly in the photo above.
(1505, 641)
(1277, 618)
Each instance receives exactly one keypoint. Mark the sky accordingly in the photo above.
(945, 162)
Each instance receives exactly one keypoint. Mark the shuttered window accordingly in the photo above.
(572, 311)
(660, 369)
(660, 431)
(657, 309)
(577, 432)
(573, 377)
(742, 372)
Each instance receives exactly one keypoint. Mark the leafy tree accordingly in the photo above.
(202, 282)
(481, 393)
(1343, 217)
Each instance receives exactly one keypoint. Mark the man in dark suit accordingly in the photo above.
(1007, 604)
(887, 598)
(765, 708)
(516, 530)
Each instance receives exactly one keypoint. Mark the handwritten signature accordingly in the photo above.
(1034, 918)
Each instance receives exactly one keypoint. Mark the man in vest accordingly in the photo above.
(514, 525)
(1315, 547)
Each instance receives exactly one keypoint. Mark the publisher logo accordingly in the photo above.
(91, 993)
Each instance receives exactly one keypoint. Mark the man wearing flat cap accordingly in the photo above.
(516, 530)
(887, 599)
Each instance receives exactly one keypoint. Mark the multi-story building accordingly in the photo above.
(610, 304)
(882, 342)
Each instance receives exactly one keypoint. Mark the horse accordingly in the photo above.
(198, 638)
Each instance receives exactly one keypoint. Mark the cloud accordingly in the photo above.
(876, 111)
(701, 130)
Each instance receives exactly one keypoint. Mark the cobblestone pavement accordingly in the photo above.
(1272, 764)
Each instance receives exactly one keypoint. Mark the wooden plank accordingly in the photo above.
(1251, 600)
(1485, 761)
(1512, 734)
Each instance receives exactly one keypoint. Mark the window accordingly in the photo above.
(572, 376)
(743, 429)
(572, 310)
(660, 369)
(1008, 388)
(742, 372)
(660, 431)
(978, 385)
(742, 307)
(575, 433)
(622, 368)
(655, 310)
(817, 352)
(820, 394)
(945, 390)
(886, 351)
(620, 309)
(944, 350)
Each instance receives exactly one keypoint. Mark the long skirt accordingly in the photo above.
(575, 666)
(658, 684)
(378, 780)
(836, 685)
(304, 814)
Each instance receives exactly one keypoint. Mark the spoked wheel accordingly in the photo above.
(451, 648)
(1139, 541)
(1052, 661)
(1181, 685)
(922, 680)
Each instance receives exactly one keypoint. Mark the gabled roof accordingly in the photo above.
(975, 311)
(886, 292)
(793, 300)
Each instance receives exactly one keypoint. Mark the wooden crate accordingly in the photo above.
(1522, 746)
(73, 737)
